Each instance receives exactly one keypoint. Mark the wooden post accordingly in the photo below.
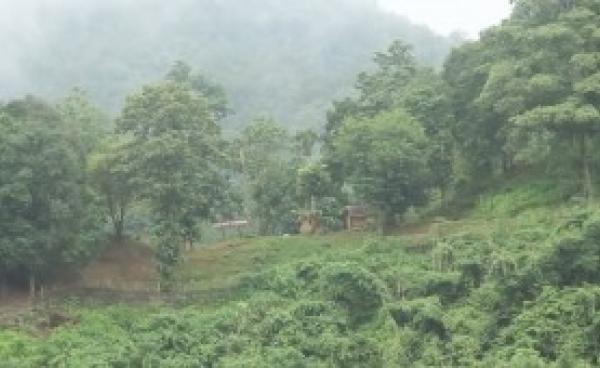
(31, 287)
(3, 287)
(588, 186)
(42, 292)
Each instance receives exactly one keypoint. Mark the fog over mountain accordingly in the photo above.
(469, 17)
(282, 58)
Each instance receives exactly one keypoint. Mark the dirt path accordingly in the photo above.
(127, 266)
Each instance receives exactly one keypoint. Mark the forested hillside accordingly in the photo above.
(285, 59)
(480, 179)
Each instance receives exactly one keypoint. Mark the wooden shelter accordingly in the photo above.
(227, 226)
(357, 217)
(309, 222)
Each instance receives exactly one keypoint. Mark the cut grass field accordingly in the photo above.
(221, 265)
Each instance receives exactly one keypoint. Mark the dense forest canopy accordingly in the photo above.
(285, 59)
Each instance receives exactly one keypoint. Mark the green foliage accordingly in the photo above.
(313, 181)
(355, 289)
(531, 301)
(535, 78)
(402, 93)
(514, 197)
(47, 217)
(112, 178)
(558, 321)
(215, 95)
(275, 199)
(385, 159)
(426, 97)
(275, 186)
(261, 143)
(424, 315)
(76, 347)
(381, 89)
(18, 350)
(176, 160)
(86, 123)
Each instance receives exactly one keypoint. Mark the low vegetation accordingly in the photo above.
(457, 293)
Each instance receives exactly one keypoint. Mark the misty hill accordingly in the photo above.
(287, 59)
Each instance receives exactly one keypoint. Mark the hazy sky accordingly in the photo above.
(446, 16)
(443, 16)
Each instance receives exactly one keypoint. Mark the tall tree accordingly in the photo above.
(215, 95)
(380, 89)
(305, 142)
(112, 176)
(261, 142)
(399, 82)
(559, 70)
(175, 151)
(87, 125)
(274, 198)
(312, 183)
(46, 217)
(265, 158)
(426, 98)
(385, 160)
(480, 144)
(377, 91)
(532, 79)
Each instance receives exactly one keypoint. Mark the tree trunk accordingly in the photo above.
(3, 287)
(443, 197)
(586, 174)
(119, 224)
(506, 165)
(264, 227)
(32, 287)
(387, 222)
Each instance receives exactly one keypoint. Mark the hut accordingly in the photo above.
(309, 222)
(357, 217)
(227, 226)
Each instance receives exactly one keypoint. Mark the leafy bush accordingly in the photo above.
(18, 350)
(357, 290)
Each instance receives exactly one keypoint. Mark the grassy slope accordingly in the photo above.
(222, 265)
(513, 206)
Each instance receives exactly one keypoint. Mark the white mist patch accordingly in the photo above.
(446, 17)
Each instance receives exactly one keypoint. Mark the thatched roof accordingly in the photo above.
(357, 211)
(230, 224)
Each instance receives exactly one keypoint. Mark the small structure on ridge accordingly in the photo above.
(357, 217)
(310, 222)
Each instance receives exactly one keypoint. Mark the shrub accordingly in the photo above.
(351, 286)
